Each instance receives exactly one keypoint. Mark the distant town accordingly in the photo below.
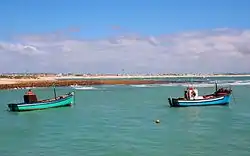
(37, 75)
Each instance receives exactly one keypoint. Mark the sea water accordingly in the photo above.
(118, 120)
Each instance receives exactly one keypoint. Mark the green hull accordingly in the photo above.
(68, 100)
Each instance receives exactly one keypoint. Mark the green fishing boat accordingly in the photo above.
(31, 103)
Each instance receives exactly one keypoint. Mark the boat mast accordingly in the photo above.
(192, 82)
(54, 91)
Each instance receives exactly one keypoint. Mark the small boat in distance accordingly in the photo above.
(221, 96)
(31, 103)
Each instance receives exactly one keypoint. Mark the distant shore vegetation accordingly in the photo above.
(19, 76)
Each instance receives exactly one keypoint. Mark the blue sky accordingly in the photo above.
(96, 17)
(200, 30)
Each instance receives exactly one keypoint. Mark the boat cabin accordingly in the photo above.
(191, 93)
(30, 98)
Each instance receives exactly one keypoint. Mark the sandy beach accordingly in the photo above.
(61, 83)
(13, 81)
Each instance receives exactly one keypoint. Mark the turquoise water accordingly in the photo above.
(119, 120)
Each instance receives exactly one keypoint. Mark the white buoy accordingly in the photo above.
(157, 121)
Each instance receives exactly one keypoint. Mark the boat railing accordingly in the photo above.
(223, 91)
(57, 98)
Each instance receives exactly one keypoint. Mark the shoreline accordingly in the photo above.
(8, 83)
(145, 76)
(65, 83)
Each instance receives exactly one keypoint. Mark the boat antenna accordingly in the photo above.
(216, 86)
(54, 87)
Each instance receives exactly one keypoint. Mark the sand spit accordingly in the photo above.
(61, 83)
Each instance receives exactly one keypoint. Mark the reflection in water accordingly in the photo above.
(193, 113)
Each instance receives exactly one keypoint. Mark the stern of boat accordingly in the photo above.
(13, 107)
(170, 101)
(173, 102)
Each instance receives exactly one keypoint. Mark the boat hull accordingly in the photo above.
(223, 100)
(60, 102)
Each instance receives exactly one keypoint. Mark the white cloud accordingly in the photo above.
(216, 50)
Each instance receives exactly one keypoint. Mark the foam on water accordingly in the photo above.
(211, 83)
(141, 86)
(84, 88)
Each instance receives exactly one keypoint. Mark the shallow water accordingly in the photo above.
(119, 120)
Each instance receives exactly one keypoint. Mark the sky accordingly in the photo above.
(97, 36)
